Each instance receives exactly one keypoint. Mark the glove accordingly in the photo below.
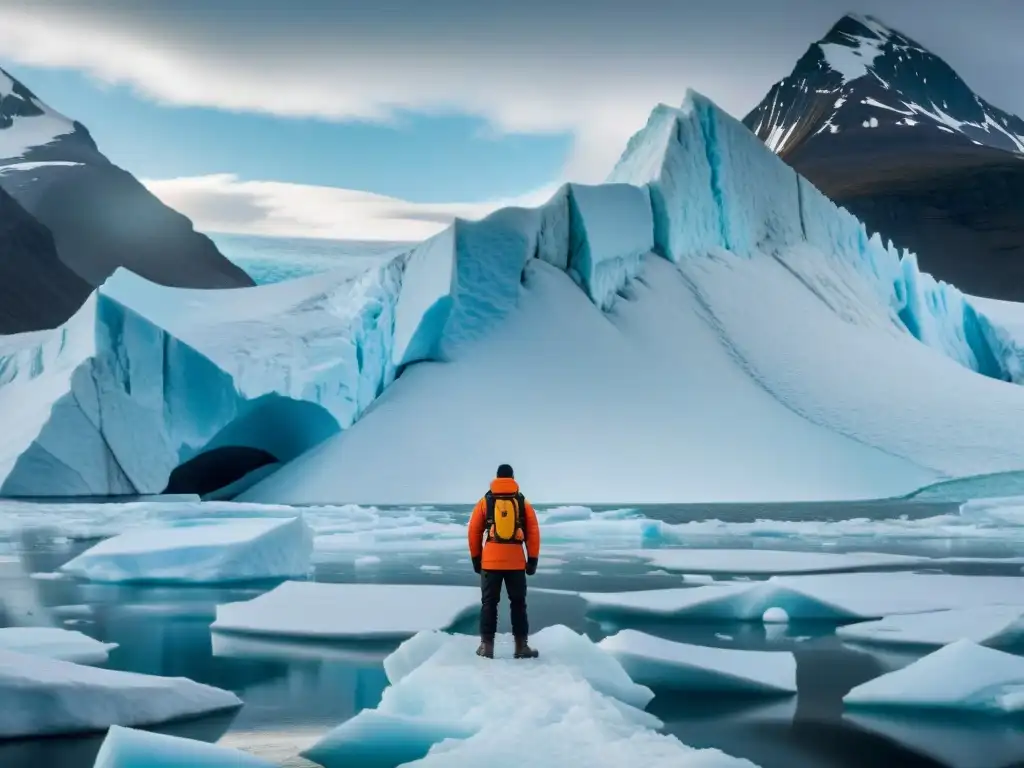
(531, 566)
(476, 565)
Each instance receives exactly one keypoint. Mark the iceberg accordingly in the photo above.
(962, 676)
(445, 706)
(992, 625)
(832, 597)
(201, 551)
(53, 643)
(41, 696)
(660, 663)
(313, 610)
(697, 292)
(130, 748)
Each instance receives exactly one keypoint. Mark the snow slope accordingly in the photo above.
(767, 346)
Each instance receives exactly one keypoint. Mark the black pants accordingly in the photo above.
(490, 596)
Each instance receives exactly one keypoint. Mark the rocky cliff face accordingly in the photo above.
(887, 129)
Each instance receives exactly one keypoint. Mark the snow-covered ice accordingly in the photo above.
(575, 700)
(656, 662)
(54, 643)
(992, 625)
(314, 610)
(130, 748)
(214, 550)
(962, 676)
(835, 597)
(42, 696)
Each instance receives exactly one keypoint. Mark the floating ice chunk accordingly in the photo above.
(961, 676)
(574, 700)
(767, 561)
(374, 739)
(201, 551)
(610, 229)
(40, 696)
(655, 662)
(989, 625)
(129, 748)
(775, 615)
(53, 643)
(348, 611)
(836, 597)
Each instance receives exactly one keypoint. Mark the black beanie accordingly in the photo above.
(505, 470)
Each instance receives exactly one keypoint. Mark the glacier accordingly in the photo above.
(707, 306)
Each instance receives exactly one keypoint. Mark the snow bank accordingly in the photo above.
(53, 643)
(129, 748)
(962, 676)
(656, 662)
(989, 624)
(611, 228)
(348, 611)
(574, 700)
(41, 696)
(201, 551)
(834, 597)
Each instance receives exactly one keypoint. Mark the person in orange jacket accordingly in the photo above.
(509, 522)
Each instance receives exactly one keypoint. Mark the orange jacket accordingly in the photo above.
(499, 556)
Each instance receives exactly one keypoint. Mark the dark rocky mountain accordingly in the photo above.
(100, 216)
(36, 289)
(888, 130)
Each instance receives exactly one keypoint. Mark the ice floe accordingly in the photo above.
(447, 707)
(216, 550)
(41, 696)
(656, 662)
(768, 561)
(836, 597)
(298, 609)
(962, 676)
(992, 625)
(130, 748)
(54, 643)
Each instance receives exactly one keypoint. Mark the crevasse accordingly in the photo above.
(145, 381)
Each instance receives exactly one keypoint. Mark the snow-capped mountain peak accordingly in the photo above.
(27, 123)
(865, 76)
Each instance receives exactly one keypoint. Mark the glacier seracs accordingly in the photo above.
(775, 311)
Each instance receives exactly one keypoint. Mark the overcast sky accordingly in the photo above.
(431, 101)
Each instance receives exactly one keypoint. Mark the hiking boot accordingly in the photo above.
(486, 649)
(523, 649)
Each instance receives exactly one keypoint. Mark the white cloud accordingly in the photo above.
(225, 203)
(552, 73)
